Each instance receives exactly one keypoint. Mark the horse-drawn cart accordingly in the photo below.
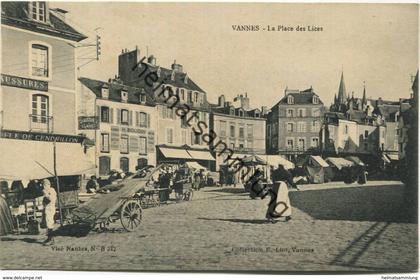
(121, 201)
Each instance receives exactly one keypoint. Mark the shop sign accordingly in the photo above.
(19, 82)
(88, 122)
(37, 136)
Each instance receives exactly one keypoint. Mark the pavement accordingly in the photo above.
(335, 227)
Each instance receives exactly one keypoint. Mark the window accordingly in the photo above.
(222, 128)
(40, 108)
(105, 92)
(301, 127)
(289, 127)
(196, 138)
(241, 132)
(143, 145)
(301, 113)
(39, 11)
(290, 143)
(290, 113)
(105, 142)
(142, 119)
(232, 145)
(124, 164)
(366, 133)
(169, 136)
(290, 99)
(346, 129)
(190, 96)
(315, 100)
(250, 144)
(241, 113)
(315, 142)
(232, 111)
(124, 96)
(142, 98)
(232, 130)
(40, 61)
(250, 130)
(105, 114)
(124, 116)
(196, 97)
(241, 144)
(182, 95)
(124, 144)
(301, 143)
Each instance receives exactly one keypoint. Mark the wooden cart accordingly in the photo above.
(121, 201)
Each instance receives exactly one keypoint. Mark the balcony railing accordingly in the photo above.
(41, 123)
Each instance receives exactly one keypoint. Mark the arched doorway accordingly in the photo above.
(124, 164)
(141, 162)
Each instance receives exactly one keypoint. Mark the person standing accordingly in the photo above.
(92, 185)
(279, 205)
(6, 221)
(49, 201)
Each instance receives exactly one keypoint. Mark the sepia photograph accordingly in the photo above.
(209, 137)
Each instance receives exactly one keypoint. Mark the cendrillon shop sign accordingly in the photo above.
(35, 136)
(14, 81)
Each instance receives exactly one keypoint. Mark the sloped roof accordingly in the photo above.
(115, 91)
(303, 97)
(339, 162)
(16, 14)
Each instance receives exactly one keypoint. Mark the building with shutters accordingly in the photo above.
(178, 129)
(294, 123)
(239, 127)
(38, 101)
(126, 133)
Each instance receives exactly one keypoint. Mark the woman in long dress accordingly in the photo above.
(279, 205)
(49, 201)
(6, 222)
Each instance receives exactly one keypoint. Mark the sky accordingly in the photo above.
(372, 43)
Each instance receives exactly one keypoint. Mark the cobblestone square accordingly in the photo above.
(334, 228)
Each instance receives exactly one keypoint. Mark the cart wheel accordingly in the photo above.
(131, 214)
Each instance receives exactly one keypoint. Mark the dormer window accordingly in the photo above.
(124, 95)
(232, 111)
(240, 113)
(315, 100)
(173, 75)
(105, 92)
(290, 99)
(38, 11)
(142, 96)
(257, 114)
(158, 71)
(195, 97)
(186, 79)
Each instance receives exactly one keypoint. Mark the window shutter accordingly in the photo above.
(111, 115)
(118, 116)
(130, 118)
(148, 120)
(137, 119)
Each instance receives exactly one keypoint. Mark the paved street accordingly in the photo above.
(334, 227)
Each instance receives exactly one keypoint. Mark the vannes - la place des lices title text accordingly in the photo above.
(278, 28)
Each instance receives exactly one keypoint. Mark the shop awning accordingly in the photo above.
(195, 165)
(339, 162)
(200, 155)
(356, 160)
(275, 160)
(175, 153)
(320, 161)
(27, 160)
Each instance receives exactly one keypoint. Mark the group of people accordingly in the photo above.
(35, 189)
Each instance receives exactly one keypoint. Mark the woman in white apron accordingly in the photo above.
(279, 205)
(49, 201)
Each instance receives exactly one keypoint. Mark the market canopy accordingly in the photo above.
(339, 162)
(319, 161)
(195, 165)
(200, 155)
(20, 161)
(253, 160)
(355, 160)
(275, 160)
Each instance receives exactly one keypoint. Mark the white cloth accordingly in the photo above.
(49, 209)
